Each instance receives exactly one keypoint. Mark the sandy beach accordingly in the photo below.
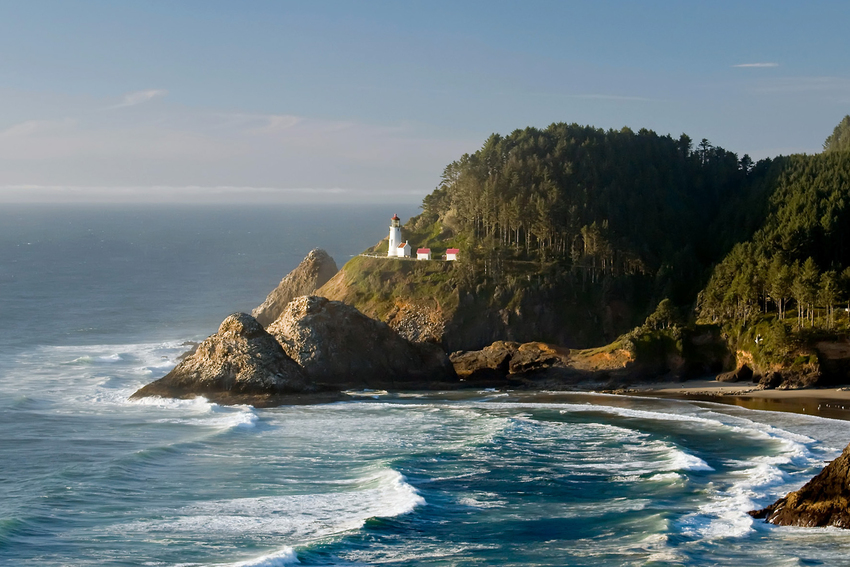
(824, 402)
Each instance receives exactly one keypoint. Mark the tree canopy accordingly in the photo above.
(839, 140)
(610, 203)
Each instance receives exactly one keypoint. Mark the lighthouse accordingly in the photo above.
(395, 236)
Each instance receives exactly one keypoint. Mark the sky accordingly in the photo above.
(286, 102)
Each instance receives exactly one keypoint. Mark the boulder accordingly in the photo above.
(503, 358)
(240, 359)
(337, 346)
(770, 381)
(312, 273)
(742, 374)
(823, 501)
(488, 365)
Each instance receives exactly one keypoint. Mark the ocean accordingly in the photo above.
(98, 301)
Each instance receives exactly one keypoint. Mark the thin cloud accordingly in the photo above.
(755, 65)
(835, 86)
(139, 97)
(615, 97)
(31, 127)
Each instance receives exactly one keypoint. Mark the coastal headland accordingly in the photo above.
(571, 259)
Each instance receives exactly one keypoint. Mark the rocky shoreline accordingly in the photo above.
(299, 348)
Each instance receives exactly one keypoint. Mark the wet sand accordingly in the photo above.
(823, 402)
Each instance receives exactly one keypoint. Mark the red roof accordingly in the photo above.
(423, 251)
(452, 251)
(395, 217)
(402, 245)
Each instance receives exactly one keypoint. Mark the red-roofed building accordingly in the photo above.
(423, 254)
(403, 250)
(451, 253)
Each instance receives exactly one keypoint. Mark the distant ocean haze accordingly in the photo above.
(80, 274)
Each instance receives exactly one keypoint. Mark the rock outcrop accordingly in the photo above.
(311, 274)
(742, 374)
(240, 359)
(494, 364)
(337, 346)
(823, 501)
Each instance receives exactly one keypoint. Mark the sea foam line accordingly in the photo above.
(285, 556)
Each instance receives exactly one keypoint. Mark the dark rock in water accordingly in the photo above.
(311, 274)
(240, 359)
(742, 374)
(338, 346)
(823, 501)
(496, 362)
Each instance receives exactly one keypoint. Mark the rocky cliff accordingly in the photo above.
(316, 345)
(823, 501)
(240, 359)
(445, 303)
(311, 274)
(337, 346)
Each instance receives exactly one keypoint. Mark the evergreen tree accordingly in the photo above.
(839, 140)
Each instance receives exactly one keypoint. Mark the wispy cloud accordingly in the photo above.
(756, 65)
(139, 97)
(276, 123)
(31, 127)
(212, 194)
(835, 86)
(624, 98)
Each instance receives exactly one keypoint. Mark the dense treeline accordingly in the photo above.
(608, 203)
(800, 257)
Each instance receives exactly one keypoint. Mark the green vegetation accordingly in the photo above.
(373, 284)
(839, 140)
(577, 235)
(799, 258)
(602, 225)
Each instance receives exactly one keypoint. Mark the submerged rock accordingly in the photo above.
(336, 345)
(241, 358)
(312, 273)
(823, 501)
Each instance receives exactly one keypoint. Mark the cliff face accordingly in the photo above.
(311, 274)
(438, 302)
(316, 345)
(241, 358)
(338, 346)
(823, 501)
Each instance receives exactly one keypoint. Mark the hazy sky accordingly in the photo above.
(363, 101)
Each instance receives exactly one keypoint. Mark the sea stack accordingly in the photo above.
(240, 359)
(823, 501)
(338, 346)
(311, 274)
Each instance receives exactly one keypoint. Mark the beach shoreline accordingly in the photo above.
(831, 403)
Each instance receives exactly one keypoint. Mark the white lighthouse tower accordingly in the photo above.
(395, 236)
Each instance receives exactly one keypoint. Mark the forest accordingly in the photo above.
(721, 238)
(602, 204)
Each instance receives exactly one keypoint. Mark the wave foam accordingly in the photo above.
(285, 556)
(298, 517)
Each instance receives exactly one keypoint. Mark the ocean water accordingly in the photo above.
(96, 302)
